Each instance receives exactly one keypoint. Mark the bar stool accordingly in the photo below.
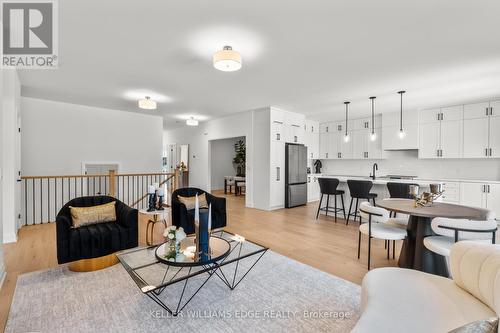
(399, 191)
(328, 186)
(359, 189)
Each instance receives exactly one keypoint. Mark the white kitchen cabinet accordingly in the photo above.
(451, 192)
(359, 144)
(333, 145)
(313, 191)
(476, 137)
(277, 131)
(324, 145)
(374, 150)
(451, 139)
(441, 133)
(494, 139)
(493, 199)
(429, 140)
(472, 194)
(277, 175)
(312, 139)
(390, 131)
(344, 147)
(477, 110)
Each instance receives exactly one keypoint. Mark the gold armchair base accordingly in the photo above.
(94, 264)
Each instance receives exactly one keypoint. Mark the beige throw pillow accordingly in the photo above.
(190, 202)
(82, 216)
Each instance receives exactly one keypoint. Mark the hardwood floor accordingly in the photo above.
(295, 233)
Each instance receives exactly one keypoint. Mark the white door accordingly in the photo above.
(451, 139)
(493, 199)
(476, 138)
(429, 140)
(472, 194)
(495, 136)
(277, 190)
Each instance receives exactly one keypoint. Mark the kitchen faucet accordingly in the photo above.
(375, 167)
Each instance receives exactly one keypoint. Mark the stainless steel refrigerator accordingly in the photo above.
(295, 175)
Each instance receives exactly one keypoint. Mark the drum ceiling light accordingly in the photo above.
(147, 103)
(192, 122)
(227, 60)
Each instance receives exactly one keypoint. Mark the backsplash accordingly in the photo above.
(406, 162)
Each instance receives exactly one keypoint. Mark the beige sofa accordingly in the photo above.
(404, 300)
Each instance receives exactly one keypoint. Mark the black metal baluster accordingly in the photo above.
(74, 193)
(69, 189)
(25, 202)
(81, 186)
(106, 185)
(62, 191)
(55, 196)
(93, 178)
(100, 182)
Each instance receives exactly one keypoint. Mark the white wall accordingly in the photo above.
(2, 267)
(198, 138)
(57, 137)
(11, 92)
(406, 162)
(222, 154)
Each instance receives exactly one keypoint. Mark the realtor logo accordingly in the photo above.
(29, 34)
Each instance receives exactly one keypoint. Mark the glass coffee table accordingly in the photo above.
(230, 258)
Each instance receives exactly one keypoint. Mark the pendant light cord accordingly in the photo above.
(373, 114)
(401, 111)
(346, 115)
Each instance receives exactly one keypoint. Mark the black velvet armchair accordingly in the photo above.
(181, 217)
(95, 240)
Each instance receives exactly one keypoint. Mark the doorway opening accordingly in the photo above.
(228, 165)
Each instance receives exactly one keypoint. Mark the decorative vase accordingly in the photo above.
(172, 249)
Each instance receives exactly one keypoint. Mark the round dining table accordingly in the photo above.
(414, 254)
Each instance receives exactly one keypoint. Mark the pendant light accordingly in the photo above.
(346, 136)
(401, 131)
(373, 135)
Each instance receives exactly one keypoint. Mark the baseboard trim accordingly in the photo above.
(10, 237)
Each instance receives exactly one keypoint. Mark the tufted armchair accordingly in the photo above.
(181, 217)
(95, 240)
(405, 300)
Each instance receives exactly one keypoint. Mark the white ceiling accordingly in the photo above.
(305, 56)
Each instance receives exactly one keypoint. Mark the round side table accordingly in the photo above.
(154, 217)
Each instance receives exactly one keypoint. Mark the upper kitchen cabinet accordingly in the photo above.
(312, 139)
(295, 127)
(324, 140)
(277, 125)
(441, 133)
(390, 131)
(481, 136)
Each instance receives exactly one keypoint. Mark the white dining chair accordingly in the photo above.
(449, 231)
(380, 226)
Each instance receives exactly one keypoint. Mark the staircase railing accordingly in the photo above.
(44, 196)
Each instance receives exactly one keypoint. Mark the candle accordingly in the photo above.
(209, 219)
(197, 209)
(151, 189)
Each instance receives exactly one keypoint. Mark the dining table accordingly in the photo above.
(414, 254)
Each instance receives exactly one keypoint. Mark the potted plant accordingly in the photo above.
(239, 158)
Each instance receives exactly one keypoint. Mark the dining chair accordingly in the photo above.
(449, 231)
(380, 226)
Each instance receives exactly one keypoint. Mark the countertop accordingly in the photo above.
(421, 181)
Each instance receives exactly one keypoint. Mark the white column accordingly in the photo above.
(2, 267)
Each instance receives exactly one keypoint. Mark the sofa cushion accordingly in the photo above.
(404, 300)
(81, 216)
(190, 202)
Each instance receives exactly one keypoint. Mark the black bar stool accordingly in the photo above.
(359, 189)
(399, 191)
(328, 186)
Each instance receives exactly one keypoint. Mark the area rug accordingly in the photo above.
(278, 295)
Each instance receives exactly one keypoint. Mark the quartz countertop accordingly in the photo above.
(420, 181)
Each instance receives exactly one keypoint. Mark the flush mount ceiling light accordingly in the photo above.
(401, 131)
(227, 60)
(192, 122)
(373, 135)
(147, 103)
(346, 136)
